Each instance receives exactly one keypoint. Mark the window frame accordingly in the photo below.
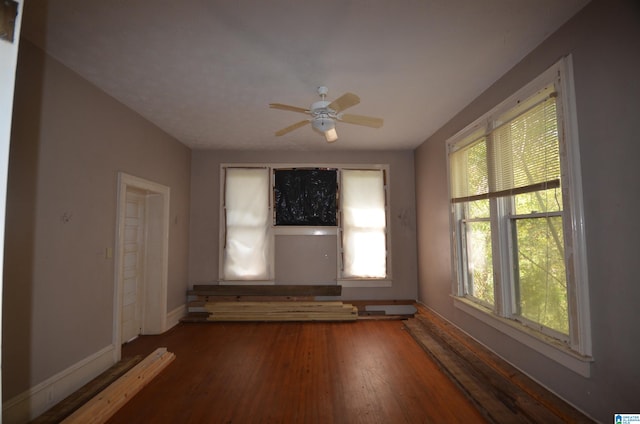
(573, 350)
(306, 230)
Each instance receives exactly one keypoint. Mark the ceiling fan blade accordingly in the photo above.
(292, 127)
(288, 107)
(343, 102)
(367, 121)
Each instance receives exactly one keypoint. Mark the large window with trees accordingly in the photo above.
(516, 213)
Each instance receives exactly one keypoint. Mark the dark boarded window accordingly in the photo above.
(305, 197)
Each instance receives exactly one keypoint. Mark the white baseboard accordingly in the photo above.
(173, 317)
(38, 399)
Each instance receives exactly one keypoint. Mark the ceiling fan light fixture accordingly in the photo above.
(323, 124)
(331, 135)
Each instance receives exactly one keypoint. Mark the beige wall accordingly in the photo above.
(604, 40)
(205, 199)
(69, 141)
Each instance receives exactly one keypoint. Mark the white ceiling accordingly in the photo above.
(205, 70)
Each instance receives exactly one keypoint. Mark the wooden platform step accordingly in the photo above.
(500, 391)
(281, 311)
(265, 290)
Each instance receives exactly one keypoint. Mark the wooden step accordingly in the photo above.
(242, 298)
(265, 290)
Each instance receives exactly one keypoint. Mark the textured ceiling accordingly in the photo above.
(205, 70)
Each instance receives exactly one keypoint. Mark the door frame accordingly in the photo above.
(154, 316)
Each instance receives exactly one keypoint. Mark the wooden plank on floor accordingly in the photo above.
(478, 391)
(263, 290)
(102, 406)
(81, 396)
(404, 310)
(503, 388)
(243, 298)
(537, 402)
(275, 306)
(281, 311)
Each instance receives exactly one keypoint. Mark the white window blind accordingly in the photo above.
(246, 209)
(469, 174)
(363, 224)
(520, 155)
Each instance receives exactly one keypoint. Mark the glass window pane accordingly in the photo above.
(246, 202)
(246, 253)
(478, 209)
(479, 261)
(542, 284)
(363, 224)
(468, 168)
(365, 254)
(526, 150)
(538, 201)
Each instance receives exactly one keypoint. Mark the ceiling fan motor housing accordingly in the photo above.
(323, 118)
(320, 107)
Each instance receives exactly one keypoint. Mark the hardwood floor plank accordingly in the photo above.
(362, 372)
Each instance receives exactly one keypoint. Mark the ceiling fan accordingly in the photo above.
(324, 115)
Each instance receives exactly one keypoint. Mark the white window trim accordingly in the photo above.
(545, 345)
(307, 230)
(577, 355)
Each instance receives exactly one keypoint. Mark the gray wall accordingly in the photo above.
(69, 140)
(604, 40)
(205, 208)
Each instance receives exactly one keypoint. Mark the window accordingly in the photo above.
(363, 224)
(305, 196)
(305, 202)
(247, 243)
(516, 200)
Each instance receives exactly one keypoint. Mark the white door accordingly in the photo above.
(141, 260)
(133, 266)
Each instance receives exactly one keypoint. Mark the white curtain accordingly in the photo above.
(363, 224)
(246, 208)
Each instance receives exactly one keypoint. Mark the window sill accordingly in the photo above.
(293, 230)
(547, 346)
(365, 283)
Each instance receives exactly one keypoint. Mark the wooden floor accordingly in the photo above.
(356, 372)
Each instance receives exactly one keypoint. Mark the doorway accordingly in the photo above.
(141, 259)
